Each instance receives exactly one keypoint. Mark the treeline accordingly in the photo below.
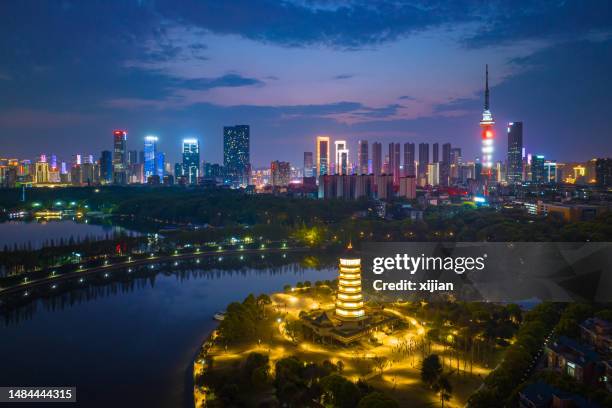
(294, 383)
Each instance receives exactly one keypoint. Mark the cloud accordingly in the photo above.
(407, 98)
(344, 76)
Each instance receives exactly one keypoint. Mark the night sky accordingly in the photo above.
(72, 71)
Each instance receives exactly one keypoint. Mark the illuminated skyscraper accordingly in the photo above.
(349, 300)
(280, 173)
(538, 174)
(191, 160)
(342, 164)
(362, 156)
(488, 135)
(119, 157)
(377, 162)
(445, 165)
(150, 155)
(236, 153)
(436, 153)
(160, 164)
(515, 152)
(322, 155)
(409, 160)
(309, 169)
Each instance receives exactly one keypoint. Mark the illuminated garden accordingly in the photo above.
(323, 343)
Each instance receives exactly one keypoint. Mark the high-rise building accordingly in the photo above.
(342, 164)
(515, 152)
(409, 160)
(603, 172)
(436, 153)
(377, 162)
(433, 174)
(423, 162)
(150, 155)
(119, 157)
(160, 165)
(408, 187)
(488, 135)
(362, 156)
(132, 157)
(191, 161)
(42, 172)
(538, 174)
(323, 155)
(445, 165)
(237, 154)
(309, 170)
(394, 162)
(280, 173)
(106, 166)
(455, 156)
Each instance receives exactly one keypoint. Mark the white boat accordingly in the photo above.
(219, 316)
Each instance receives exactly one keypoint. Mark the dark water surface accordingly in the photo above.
(129, 344)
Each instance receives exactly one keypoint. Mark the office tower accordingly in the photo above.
(537, 169)
(394, 162)
(237, 154)
(515, 152)
(53, 162)
(191, 161)
(42, 171)
(280, 173)
(362, 156)
(141, 157)
(106, 166)
(433, 174)
(409, 160)
(308, 165)
(132, 157)
(377, 162)
(160, 165)
(150, 154)
(603, 172)
(408, 187)
(488, 135)
(323, 155)
(550, 171)
(423, 162)
(119, 157)
(436, 153)
(342, 157)
(445, 165)
(455, 156)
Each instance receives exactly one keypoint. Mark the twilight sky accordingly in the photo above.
(72, 71)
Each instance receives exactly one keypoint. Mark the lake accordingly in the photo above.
(128, 344)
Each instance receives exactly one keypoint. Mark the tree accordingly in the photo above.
(377, 400)
(339, 391)
(431, 369)
(380, 362)
(444, 388)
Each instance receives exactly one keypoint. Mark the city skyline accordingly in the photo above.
(177, 80)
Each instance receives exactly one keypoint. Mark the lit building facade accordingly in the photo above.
(309, 170)
(362, 156)
(409, 160)
(280, 172)
(349, 300)
(515, 152)
(237, 154)
(106, 166)
(342, 164)
(191, 160)
(488, 136)
(119, 157)
(377, 158)
(150, 156)
(394, 162)
(323, 155)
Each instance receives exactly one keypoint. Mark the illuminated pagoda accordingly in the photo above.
(488, 136)
(349, 299)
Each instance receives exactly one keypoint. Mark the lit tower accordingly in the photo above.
(349, 301)
(488, 135)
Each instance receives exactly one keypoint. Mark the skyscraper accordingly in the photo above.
(280, 173)
(308, 165)
(394, 162)
(445, 165)
(423, 160)
(237, 153)
(409, 159)
(150, 155)
(515, 152)
(342, 164)
(538, 174)
(377, 158)
(119, 156)
(322, 155)
(362, 156)
(191, 160)
(436, 153)
(160, 164)
(488, 135)
(132, 157)
(106, 166)
(603, 172)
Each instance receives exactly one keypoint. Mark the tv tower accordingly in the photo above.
(488, 135)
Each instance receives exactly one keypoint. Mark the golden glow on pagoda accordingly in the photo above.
(349, 300)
